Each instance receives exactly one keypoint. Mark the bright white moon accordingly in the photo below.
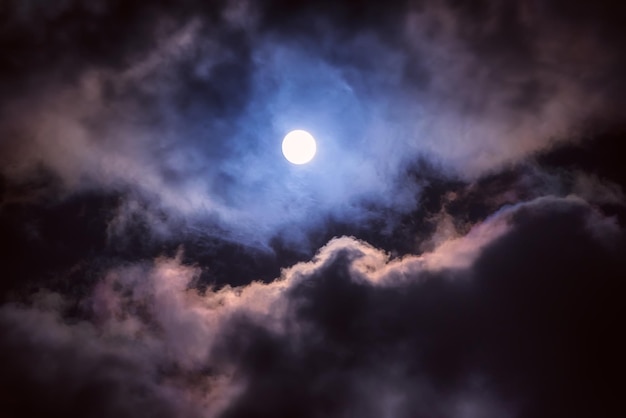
(299, 147)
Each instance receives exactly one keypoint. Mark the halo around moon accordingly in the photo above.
(299, 147)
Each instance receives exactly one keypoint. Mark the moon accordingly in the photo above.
(299, 147)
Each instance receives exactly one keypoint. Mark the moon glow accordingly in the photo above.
(299, 147)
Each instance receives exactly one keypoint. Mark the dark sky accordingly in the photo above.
(456, 248)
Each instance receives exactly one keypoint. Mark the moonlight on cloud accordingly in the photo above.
(445, 236)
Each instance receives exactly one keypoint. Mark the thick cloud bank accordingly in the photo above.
(521, 317)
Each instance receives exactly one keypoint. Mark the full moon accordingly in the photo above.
(299, 147)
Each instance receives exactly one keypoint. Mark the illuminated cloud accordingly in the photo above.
(192, 118)
(437, 333)
(454, 249)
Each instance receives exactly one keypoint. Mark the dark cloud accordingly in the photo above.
(520, 317)
(533, 322)
(61, 373)
(161, 258)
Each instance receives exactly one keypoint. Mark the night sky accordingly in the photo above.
(456, 248)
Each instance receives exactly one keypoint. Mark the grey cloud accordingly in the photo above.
(50, 368)
(130, 129)
(519, 317)
(508, 325)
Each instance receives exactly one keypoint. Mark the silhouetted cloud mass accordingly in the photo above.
(455, 249)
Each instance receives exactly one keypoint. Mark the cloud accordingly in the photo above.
(187, 109)
(59, 370)
(518, 317)
(476, 262)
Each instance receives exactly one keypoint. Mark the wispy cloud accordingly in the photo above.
(193, 119)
